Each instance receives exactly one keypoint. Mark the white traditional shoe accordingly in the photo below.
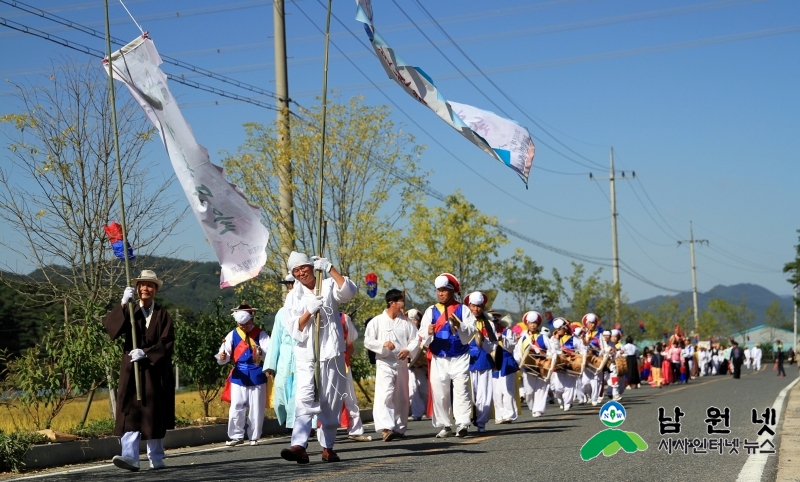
(253, 443)
(233, 443)
(445, 433)
(127, 463)
(566, 407)
(157, 464)
(536, 414)
(360, 438)
(462, 430)
(617, 398)
(594, 404)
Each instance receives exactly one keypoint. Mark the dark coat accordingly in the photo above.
(155, 413)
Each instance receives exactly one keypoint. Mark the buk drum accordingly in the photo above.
(595, 362)
(622, 365)
(537, 364)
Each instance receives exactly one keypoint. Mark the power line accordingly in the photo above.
(99, 54)
(117, 41)
(413, 121)
(502, 92)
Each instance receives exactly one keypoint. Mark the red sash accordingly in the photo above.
(238, 351)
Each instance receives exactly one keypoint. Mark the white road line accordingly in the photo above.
(754, 467)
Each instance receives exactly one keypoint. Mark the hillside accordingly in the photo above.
(756, 297)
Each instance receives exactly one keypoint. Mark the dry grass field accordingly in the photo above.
(187, 406)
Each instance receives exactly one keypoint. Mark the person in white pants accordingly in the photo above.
(394, 340)
(563, 383)
(581, 386)
(593, 341)
(418, 373)
(481, 364)
(534, 387)
(616, 380)
(748, 356)
(755, 352)
(504, 376)
(301, 305)
(447, 327)
(246, 347)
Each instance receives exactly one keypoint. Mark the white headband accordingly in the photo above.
(297, 259)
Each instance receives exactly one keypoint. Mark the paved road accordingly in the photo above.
(540, 449)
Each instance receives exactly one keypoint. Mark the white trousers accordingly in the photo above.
(329, 406)
(443, 371)
(564, 388)
(747, 363)
(130, 446)
(481, 381)
(390, 406)
(580, 389)
(351, 403)
(242, 398)
(505, 406)
(757, 363)
(418, 391)
(593, 383)
(535, 392)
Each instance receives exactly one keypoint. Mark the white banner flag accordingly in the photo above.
(501, 138)
(232, 225)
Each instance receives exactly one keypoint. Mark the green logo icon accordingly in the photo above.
(610, 441)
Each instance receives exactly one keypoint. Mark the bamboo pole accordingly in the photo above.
(134, 337)
(317, 375)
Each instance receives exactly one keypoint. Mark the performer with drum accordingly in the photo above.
(504, 374)
(616, 375)
(561, 345)
(531, 355)
(593, 340)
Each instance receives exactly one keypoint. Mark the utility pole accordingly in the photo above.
(614, 247)
(284, 145)
(691, 242)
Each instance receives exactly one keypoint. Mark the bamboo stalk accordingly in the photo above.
(134, 337)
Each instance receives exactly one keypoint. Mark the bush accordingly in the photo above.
(13, 448)
(94, 429)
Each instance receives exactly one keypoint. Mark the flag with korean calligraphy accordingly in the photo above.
(231, 224)
(501, 138)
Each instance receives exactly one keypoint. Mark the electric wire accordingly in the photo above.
(413, 121)
(99, 54)
(502, 92)
(101, 35)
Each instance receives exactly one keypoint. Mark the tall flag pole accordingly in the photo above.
(320, 242)
(113, 100)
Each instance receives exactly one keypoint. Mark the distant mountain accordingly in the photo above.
(756, 297)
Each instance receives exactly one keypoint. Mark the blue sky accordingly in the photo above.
(699, 98)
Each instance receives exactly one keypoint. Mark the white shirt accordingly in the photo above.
(400, 331)
(630, 349)
(332, 343)
(465, 332)
(756, 353)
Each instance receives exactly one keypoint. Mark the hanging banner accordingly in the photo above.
(501, 138)
(231, 225)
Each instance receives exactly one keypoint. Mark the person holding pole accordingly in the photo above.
(149, 418)
(302, 304)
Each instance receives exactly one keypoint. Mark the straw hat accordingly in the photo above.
(148, 275)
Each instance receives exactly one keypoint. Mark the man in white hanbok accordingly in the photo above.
(755, 352)
(394, 340)
(302, 304)
(481, 362)
(562, 382)
(748, 356)
(534, 339)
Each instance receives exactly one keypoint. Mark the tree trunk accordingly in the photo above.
(112, 396)
(366, 395)
(87, 407)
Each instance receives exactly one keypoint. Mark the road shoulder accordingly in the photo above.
(789, 450)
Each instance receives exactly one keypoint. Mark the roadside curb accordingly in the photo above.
(81, 451)
(789, 450)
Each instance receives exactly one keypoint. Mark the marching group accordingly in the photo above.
(452, 362)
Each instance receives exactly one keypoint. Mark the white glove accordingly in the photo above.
(127, 295)
(137, 354)
(322, 264)
(313, 304)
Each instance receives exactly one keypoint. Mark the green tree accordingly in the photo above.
(792, 268)
(586, 295)
(734, 319)
(196, 343)
(522, 278)
(455, 238)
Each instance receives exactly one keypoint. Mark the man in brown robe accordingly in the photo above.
(149, 418)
